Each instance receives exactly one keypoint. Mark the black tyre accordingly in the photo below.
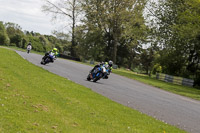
(88, 77)
(42, 62)
(95, 79)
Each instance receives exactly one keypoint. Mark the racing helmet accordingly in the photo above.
(110, 63)
(55, 49)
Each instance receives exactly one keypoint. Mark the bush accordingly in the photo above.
(157, 69)
(12, 44)
(4, 40)
(17, 38)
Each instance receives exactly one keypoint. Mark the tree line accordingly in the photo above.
(11, 34)
(141, 35)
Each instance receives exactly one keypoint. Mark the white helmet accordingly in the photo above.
(110, 63)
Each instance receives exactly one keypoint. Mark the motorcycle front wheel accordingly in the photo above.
(88, 77)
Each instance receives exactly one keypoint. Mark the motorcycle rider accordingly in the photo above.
(107, 65)
(54, 53)
(29, 47)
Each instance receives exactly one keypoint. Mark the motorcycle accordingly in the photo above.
(49, 57)
(29, 48)
(98, 73)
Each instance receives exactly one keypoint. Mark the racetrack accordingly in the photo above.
(165, 106)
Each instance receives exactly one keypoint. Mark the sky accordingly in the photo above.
(28, 14)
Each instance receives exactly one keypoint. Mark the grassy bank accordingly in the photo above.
(34, 100)
(178, 89)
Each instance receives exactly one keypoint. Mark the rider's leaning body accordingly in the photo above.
(107, 65)
(54, 53)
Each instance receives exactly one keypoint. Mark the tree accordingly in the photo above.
(189, 22)
(15, 33)
(4, 40)
(135, 32)
(146, 59)
(65, 8)
(177, 31)
(170, 45)
(110, 19)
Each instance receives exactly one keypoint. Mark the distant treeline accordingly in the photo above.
(11, 34)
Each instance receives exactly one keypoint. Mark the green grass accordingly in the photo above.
(178, 89)
(34, 100)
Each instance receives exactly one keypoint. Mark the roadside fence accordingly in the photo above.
(175, 79)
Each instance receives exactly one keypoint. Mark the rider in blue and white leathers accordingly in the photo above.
(107, 66)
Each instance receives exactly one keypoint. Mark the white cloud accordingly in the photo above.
(26, 13)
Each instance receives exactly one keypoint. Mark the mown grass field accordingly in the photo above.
(34, 100)
(178, 89)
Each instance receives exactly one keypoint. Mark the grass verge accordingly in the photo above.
(177, 89)
(34, 100)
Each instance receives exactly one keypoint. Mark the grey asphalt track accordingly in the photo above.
(170, 108)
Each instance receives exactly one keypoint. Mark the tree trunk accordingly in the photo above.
(73, 40)
(115, 42)
(73, 31)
